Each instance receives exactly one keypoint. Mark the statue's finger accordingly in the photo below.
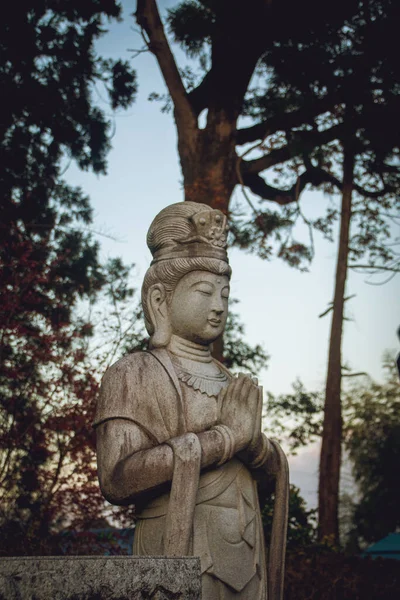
(259, 409)
(245, 389)
(236, 390)
(222, 395)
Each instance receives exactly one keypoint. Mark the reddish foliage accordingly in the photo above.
(48, 386)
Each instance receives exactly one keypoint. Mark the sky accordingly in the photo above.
(278, 305)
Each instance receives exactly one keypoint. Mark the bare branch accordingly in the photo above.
(363, 373)
(327, 311)
(375, 269)
(376, 283)
(136, 52)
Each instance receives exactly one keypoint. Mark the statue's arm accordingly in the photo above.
(263, 456)
(130, 465)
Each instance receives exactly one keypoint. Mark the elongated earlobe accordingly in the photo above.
(157, 304)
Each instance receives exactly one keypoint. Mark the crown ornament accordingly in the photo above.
(205, 236)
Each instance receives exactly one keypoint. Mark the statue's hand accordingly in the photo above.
(240, 408)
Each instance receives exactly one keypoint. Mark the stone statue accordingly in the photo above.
(178, 435)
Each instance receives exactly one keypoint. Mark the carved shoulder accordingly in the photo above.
(139, 389)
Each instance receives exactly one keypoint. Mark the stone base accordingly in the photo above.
(100, 578)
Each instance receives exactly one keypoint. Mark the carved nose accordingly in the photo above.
(218, 305)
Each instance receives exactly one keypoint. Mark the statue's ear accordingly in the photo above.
(158, 310)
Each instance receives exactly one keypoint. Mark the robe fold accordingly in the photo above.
(225, 527)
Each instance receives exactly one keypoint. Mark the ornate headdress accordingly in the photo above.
(188, 230)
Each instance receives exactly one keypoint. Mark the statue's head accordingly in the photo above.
(185, 290)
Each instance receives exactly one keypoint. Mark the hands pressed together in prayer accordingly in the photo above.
(240, 409)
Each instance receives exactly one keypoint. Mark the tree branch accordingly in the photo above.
(282, 197)
(303, 141)
(314, 176)
(375, 268)
(199, 98)
(148, 18)
(285, 121)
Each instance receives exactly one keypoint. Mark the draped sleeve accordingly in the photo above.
(137, 388)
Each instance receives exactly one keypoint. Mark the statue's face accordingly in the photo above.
(199, 306)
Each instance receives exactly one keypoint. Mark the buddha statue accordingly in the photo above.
(178, 435)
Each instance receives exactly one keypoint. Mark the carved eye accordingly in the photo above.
(204, 288)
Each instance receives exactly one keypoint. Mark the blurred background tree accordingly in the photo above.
(50, 270)
(372, 441)
(371, 420)
(302, 523)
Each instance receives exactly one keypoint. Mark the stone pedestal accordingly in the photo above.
(99, 578)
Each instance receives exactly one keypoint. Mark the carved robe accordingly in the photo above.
(225, 523)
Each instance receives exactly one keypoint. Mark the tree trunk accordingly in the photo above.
(209, 164)
(210, 175)
(329, 470)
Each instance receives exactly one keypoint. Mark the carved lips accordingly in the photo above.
(214, 322)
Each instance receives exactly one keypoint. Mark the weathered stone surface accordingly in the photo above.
(99, 578)
(179, 434)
